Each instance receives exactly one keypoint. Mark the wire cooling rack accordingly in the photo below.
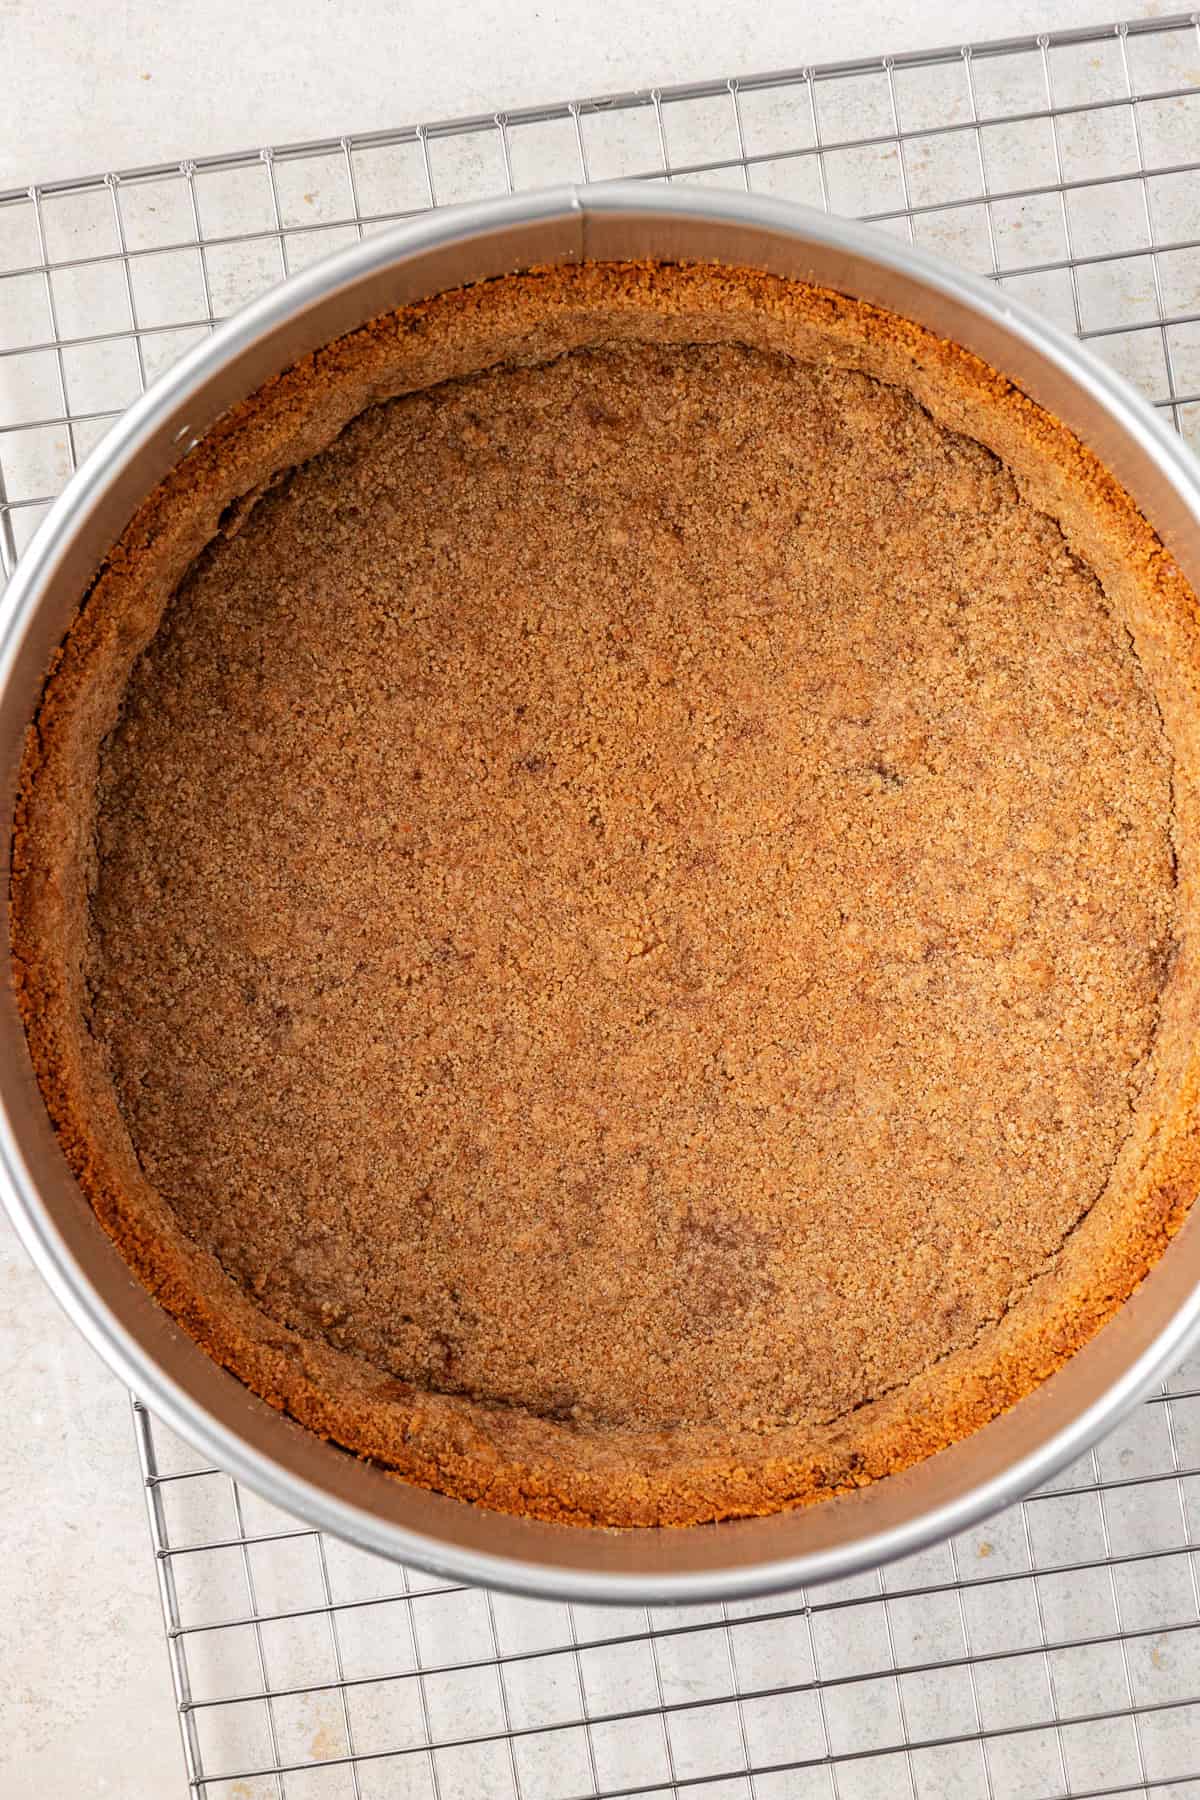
(1056, 1650)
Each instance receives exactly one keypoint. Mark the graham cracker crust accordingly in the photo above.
(603, 893)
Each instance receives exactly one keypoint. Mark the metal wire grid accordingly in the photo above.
(1055, 1651)
(1063, 166)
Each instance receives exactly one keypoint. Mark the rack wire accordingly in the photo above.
(1053, 1652)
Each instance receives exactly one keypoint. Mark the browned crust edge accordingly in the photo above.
(503, 1459)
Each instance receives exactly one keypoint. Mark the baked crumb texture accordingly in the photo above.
(604, 894)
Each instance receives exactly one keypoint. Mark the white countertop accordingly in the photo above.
(85, 1699)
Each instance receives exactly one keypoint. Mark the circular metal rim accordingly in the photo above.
(167, 1398)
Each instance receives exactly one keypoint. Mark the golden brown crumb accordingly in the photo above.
(613, 958)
